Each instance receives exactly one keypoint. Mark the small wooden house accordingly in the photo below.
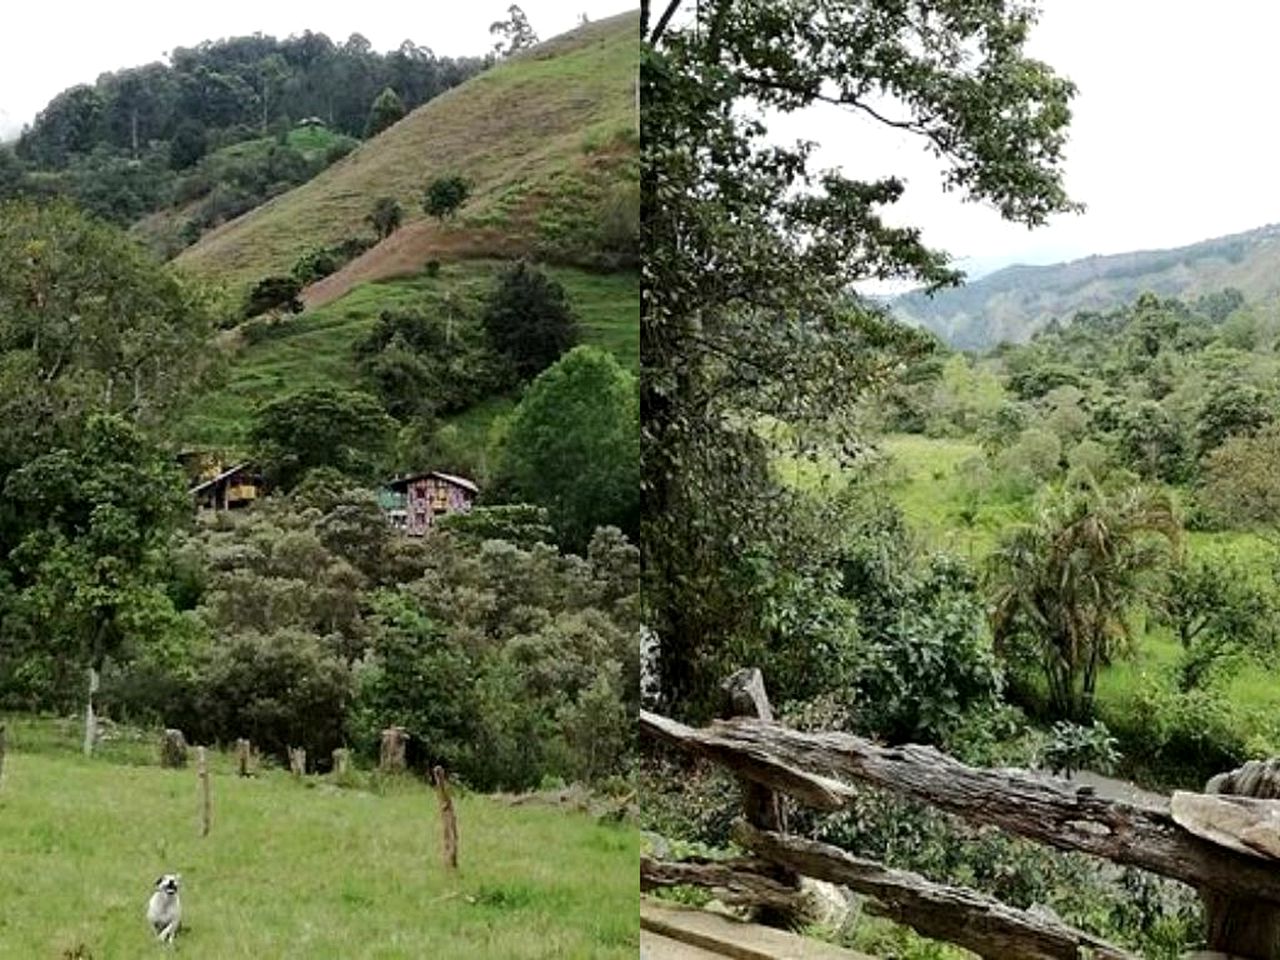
(414, 503)
(238, 486)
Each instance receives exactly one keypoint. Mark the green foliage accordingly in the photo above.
(429, 364)
(387, 109)
(1063, 586)
(529, 319)
(320, 427)
(444, 196)
(573, 446)
(93, 519)
(385, 217)
(523, 524)
(1072, 747)
(749, 257)
(274, 293)
(1240, 483)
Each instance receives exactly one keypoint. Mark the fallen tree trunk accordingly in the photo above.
(740, 881)
(806, 765)
(968, 919)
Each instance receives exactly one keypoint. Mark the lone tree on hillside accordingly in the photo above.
(387, 109)
(386, 217)
(529, 320)
(444, 196)
(513, 33)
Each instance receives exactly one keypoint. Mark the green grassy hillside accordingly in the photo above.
(315, 348)
(296, 869)
(547, 139)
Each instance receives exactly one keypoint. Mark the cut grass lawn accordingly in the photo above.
(544, 138)
(315, 348)
(305, 870)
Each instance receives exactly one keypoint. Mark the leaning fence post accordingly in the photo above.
(448, 821)
(743, 695)
(202, 776)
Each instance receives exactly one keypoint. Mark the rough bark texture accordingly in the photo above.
(173, 749)
(804, 765)
(741, 881)
(206, 802)
(243, 751)
(971, 920)
(1244, 926)
(448, 820)
(391, 754)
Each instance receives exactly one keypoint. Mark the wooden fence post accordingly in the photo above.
(391, 754)
(341, 761)
(743, 695)
(2, 749)
(298, 761)
(448, 820)
(243, 752)
(206, 805)
(1236, 927)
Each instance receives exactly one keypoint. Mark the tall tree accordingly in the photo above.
(574, 447)
(387, 109)
(514, 33)
(97, 517)
(529, 319)
(749, 255)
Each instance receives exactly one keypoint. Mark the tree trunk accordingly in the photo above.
(90, 718)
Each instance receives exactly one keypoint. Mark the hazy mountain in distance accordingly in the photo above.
(1013, 303)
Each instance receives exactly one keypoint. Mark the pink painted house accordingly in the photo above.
(414, 503)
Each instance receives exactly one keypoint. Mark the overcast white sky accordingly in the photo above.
(1174, 137)
(49, 45)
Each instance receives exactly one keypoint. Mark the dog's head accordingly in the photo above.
(168, 883)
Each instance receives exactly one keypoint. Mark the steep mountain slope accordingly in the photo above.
(547, 139)
(1013, 303)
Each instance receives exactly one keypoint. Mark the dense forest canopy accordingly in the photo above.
(249, 83)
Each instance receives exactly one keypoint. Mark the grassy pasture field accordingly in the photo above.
(292, 869)
(315, 348)
(924, 476)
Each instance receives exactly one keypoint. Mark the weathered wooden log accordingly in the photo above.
(341, 761)
(173, 749)
(448, 819)
(740, 881)
(206, 802)
(805, 765)
(298, 762)
(391, 754)
(968, 919)
(1245, 926)
(243, 752)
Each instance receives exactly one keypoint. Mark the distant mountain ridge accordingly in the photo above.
(1013, 303)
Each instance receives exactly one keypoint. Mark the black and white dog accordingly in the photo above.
(164, 911)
